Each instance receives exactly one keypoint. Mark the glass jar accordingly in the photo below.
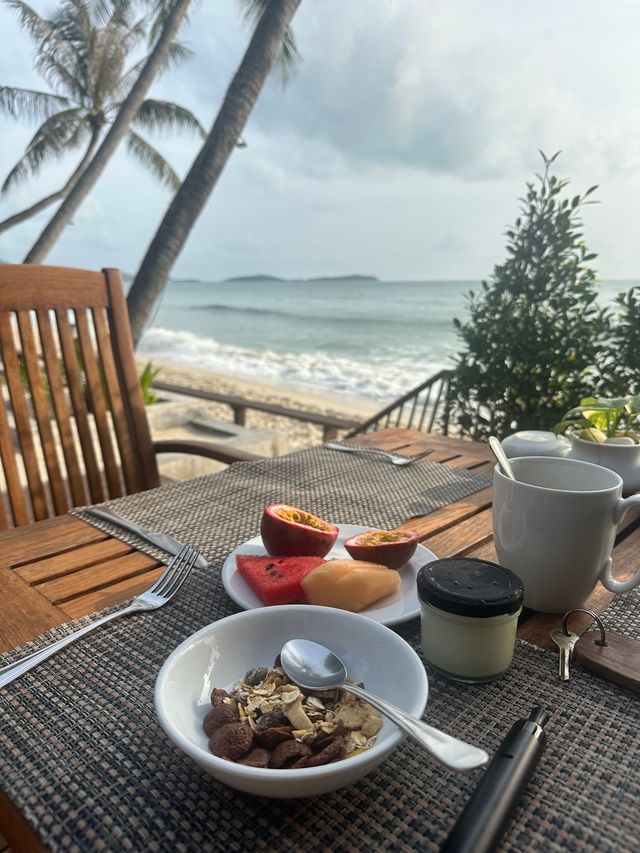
(469, 615)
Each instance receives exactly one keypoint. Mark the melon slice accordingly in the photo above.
(276, 580)
(349, 584)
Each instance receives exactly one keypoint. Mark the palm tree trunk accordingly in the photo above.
(196, 188)
(28, 212)
(113, 138)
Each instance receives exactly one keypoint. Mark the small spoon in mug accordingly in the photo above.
(315, 667)
(500, 455)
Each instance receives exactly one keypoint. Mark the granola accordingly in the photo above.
(266, 721)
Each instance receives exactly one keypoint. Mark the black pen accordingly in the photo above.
(486, 815)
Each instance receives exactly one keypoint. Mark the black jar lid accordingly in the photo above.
(470, 587)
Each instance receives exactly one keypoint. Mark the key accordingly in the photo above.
(565, 643)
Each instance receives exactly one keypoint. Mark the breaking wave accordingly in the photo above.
(382, 378)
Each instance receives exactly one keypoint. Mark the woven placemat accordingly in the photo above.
(83, 757)
(344, 488)
(623, 614)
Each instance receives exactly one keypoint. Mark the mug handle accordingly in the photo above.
(606, 576)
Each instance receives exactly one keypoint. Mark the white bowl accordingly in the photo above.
(535, 442)
(221, 653)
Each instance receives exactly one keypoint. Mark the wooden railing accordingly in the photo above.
(331, 425)
(421, 408)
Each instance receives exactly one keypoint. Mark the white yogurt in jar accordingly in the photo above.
(469, 617)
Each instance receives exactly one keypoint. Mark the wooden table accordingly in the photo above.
(63, 568)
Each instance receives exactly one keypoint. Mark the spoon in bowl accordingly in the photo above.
(315, 667)
(500, 455)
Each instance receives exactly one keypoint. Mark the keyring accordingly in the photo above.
(602, 641)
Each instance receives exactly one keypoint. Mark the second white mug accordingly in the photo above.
(555, 526)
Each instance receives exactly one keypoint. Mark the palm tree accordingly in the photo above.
(145, 75)
(187, 204)
(83, 59)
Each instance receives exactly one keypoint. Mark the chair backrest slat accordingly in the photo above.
(130, 462)
(42, 412)
(53, 368)
(79, 404)
(19, 406)
(15, 492)
(129, 380)
(73, 428)
(98, 403)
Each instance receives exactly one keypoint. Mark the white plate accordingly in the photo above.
(399, 607)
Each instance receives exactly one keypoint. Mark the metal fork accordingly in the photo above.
(395, 458)
(156, 596)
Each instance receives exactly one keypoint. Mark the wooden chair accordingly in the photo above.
(73, 427)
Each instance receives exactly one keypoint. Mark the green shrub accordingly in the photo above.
(534, 334)
(622, 370)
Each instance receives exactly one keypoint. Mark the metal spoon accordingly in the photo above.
(315, 667)
(500, 455)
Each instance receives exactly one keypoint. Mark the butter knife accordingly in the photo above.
(161, 540)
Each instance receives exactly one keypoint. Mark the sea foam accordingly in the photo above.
(380, 379)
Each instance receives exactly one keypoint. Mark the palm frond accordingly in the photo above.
(58, 129)
(73, 22)
(177, 54)
(161, 11)
(77, 36)
(79, 135)
(30, 103)
(165, 115)
(104, 9)
(135, 32)
(113, 43)
(287, 58)
(52, 139)
(152, 160)
(56, 72)
(288, 55)
(124, 84)
(38, 28)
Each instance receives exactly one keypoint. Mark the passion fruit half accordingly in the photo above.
(291, 532)
(391, 548)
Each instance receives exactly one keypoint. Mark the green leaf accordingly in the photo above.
(564, 425)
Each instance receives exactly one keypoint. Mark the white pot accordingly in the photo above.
(623, 459)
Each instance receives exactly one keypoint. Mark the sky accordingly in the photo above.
(399, 149)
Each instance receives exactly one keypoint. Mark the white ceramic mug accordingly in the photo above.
(555, 526)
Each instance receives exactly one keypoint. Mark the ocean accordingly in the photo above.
(371, 340)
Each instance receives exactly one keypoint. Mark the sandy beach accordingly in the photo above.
(298, 434)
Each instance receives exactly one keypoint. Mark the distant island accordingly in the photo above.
(273, 278)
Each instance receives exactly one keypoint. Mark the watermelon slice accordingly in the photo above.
(276, 580)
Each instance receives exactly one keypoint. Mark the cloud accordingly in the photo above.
(399, 148)
(448, 88)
